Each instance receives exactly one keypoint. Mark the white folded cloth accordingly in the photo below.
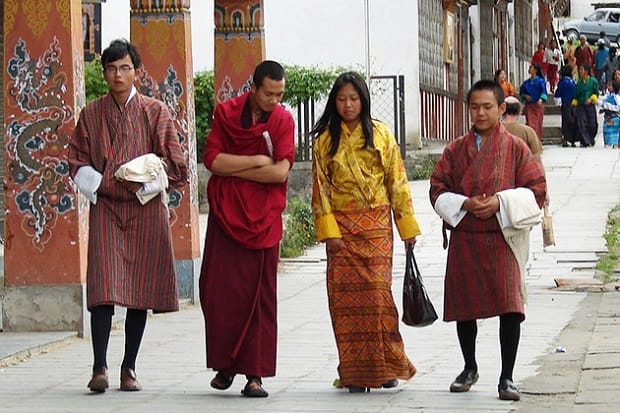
(88, 179)
(150, 171)
(518, 213)
(448, 206)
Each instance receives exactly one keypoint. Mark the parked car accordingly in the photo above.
(602, 20)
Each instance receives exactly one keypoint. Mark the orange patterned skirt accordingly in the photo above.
(364, 316)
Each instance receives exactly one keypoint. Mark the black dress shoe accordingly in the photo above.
(358, 389)
(507, 390)
(390, 384)
(464, 381)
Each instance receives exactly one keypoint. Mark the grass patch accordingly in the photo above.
(423, 170)
(608, 262)
(298, 229)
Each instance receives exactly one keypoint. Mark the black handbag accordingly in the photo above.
(418, 310)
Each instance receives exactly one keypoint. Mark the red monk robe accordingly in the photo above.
(238, 276)
(479, 284)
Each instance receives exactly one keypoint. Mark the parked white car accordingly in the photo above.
(602, 20)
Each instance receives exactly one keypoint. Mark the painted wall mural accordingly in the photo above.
(35, 163)
(169, 90)
(239, 45)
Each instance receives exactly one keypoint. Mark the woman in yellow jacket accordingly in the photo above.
(359, 181)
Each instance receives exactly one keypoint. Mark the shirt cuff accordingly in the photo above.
(327, 227)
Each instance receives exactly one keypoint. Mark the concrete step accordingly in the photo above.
(552, 109)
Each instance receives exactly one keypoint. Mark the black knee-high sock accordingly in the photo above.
(467, 332)
(509, 335)
(100, 326)
(135, 322)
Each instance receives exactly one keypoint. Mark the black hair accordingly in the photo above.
(615, 85)
(118, 49)
(566, 70)
(486, 84)
(267, 68)
(586, 67)
(497, 72)
(539, 72)
(330, 119)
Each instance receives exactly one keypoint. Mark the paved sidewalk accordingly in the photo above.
(584, 185)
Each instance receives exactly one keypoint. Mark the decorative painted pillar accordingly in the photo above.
(45, 237)
(161, 29)
(239, 45)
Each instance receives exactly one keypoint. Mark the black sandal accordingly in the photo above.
(254, 388)
(222, 381)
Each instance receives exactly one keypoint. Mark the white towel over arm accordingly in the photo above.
(150, 171)
(518, 213)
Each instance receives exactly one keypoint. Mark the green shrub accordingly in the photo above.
(204, 96)
(298, 230)
(94, 82)
(422, 171)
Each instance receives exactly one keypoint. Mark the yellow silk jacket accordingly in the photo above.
(358, 178)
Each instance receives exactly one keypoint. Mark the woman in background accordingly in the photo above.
(533, 92)
(507, 87)
(566, 93)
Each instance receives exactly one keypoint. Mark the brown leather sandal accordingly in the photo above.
(254, 388)
(222, 381)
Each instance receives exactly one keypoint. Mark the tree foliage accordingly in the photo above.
(204, 96)
(95, 84)
(303, 83)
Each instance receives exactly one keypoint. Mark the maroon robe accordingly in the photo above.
(130, 256)
(482, 274)
(240, 260)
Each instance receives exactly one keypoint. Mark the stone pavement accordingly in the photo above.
(584, 186)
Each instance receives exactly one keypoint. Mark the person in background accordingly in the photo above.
(511, 122)
(586, 96)
(360, 185)
(123, 232)
(583, 53)
(602, 36)
(566, 93)
(569, 57)
(507, 87)
(533, 92)
(249, 151)
(477, 180)
(553, 58)
(538, 58)
(611, 64)
(610, 105)
(601, 59)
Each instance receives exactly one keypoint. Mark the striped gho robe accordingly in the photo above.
(130, 256)
(482, 275)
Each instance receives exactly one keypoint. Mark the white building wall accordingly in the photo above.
(321, 33)
(474, 16)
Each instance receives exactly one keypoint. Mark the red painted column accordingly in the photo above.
(239, 45)
(45, 236)
(162, 32)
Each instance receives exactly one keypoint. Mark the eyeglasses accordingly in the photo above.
(112, 70)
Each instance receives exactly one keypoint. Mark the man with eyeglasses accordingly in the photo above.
(130, 256)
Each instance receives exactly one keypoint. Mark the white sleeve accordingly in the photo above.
(448, 206)
(88, 180)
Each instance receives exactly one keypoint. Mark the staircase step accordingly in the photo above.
(553, 110)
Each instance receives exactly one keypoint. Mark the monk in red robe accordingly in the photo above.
(481, 179)
(249, 152)
(130, 257)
